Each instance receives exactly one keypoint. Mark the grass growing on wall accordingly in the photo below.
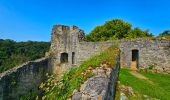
(156, 86)
(73, 78)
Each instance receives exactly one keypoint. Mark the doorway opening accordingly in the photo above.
(64, 58)
(73, 57)
(135, 59)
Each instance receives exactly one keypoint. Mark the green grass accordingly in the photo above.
(160, 80)
(159, 88)
(73, 78)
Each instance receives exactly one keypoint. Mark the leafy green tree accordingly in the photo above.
(138, 33)
(113, 29)
(116, 29)
(96, 34)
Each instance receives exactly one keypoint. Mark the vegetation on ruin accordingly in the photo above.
(73, 78)
(156, 85)
(116, 29)
(165, 34)
(15, 53)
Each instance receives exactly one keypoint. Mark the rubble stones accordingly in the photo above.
(127, 90)
(97, 87)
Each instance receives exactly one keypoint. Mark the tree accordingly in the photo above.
(19, 52)
(113, 29)
(165, 33)
(96, 34)
(116, 29)
(138, 33)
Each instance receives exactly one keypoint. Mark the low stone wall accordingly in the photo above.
(102, 86)
(88, 49)
(23, 80)
(111, 90)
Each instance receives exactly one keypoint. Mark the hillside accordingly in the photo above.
(19, 52)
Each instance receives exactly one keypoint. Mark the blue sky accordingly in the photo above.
(23, 20)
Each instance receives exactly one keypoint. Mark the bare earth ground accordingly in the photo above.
(140, 76)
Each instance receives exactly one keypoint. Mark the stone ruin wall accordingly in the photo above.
(88, 49)
(151, 51)
(64, 39)
(101, 86)
(23, 80)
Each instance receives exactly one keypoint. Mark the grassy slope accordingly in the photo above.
(158, 89)
(74, 77)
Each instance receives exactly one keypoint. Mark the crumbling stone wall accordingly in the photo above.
(88, 49)
(102, 86)
(64, 39)
(151, 52)
(23, 80)
(67, 39)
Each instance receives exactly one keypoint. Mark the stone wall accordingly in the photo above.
(102, 86)
(88, 49)
(23, 80)
(64, 39)
(151, 52)
(67, 39)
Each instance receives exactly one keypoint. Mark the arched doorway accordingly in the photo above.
(135, 59)
(64, 58)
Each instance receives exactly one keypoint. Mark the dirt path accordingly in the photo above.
(140, 76)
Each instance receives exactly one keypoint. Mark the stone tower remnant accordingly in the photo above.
(64, 42)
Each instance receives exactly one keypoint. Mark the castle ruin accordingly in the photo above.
(68, 49)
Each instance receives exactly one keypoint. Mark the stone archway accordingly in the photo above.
(135, 59)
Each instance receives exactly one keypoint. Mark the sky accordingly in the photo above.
(23, 20)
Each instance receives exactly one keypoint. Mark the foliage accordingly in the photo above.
(151, 66)
(137, 32)
(165, 34)
(116, 29)
(157, 85)
(19, 52)
(73, 78)
(28, 96)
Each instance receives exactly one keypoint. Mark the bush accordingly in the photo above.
(151, 66)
